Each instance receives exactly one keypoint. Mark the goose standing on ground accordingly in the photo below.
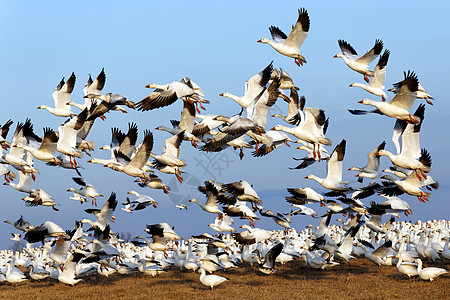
(333, 180)
(61, 96)
(211, 280)
(429, 273)
(398, 107)
(376, 85)
(86, 190)
(359, 64)
(290, 45)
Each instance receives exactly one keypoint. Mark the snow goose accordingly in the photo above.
(237, 127)
(359, 64)
(252, 235)
(21, 224)
(128, 206)
(93, 87)
(394, 205)
(316, 262)
(370, 170)
(40, 197)
(312, 129)
(211, 280)
(167, 231)
(303, 196)
(429, 273)
(135, 166)
(15, 237)
(66, 163)
(271, 140)
(222, 224)
(286, 82)
(185, 124)
(283, 220)
(399, 105)
(159, 241)
(24, 185)
(243, 191)
(154, 182)
(407, 268)
(14, 275)
(314, 155)
(304, 210)
(3, 133)
(112, 99)
(333, 180)
(105, 215)
(171, 155)
(46, 229)
(258, 109)
(268, 265)
(295, 109)
(142, 200)
(411, 157)
(290, 45)
(67, 140)
(6, 172)
(167, 94)
(68, 274)
(17, 155)
(238, 208)
(253, 87)
(37, 273)
(421, 92)
(378, 255)
(42, 149)
(86, 190)
(61, 96)
(376, 85)
(211, 205)
(206, 124)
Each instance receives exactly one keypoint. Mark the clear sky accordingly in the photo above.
(214, 43)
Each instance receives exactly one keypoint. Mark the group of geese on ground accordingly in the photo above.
(216, 133)
(71, 255)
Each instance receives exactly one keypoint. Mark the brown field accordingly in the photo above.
(358, 279)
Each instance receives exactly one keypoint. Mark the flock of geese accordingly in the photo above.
(71, 254)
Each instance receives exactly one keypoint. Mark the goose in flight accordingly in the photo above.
(370, 170)
(399, 105)
(171, 156)
(3, 133)
(356, 63)
(142, 201)
(290, 45)
(61, 96)
(333, 180)
(376, 85)
(40, 197)
(86, 190)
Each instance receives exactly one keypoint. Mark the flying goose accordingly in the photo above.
(171, 155)
(105, 215)
(142, 201)
(370, 170)
(376, 85)
(295, 109)
(399, 105)
(268, 265)
(3, 133)
(21, 224)
(359, 64)
(333, 180)
(86, 190)
(290, 45)
(40, 197)
(46, 229)
(61, 96)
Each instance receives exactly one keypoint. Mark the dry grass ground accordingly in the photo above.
(358, 279)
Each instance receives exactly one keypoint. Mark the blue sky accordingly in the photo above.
(214, 43)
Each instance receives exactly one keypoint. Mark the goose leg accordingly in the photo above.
(426, 99)
(365, 77)
(103, 117)
(296, 61)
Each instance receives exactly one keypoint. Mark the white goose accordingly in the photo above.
(211, 280)
(86, 190)
(290, 45)
(68, 274)
(399, 105)
(376, 85)
(61, 96)
(370, 170)
(333, 180)
(359, 64)
(429, 273)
